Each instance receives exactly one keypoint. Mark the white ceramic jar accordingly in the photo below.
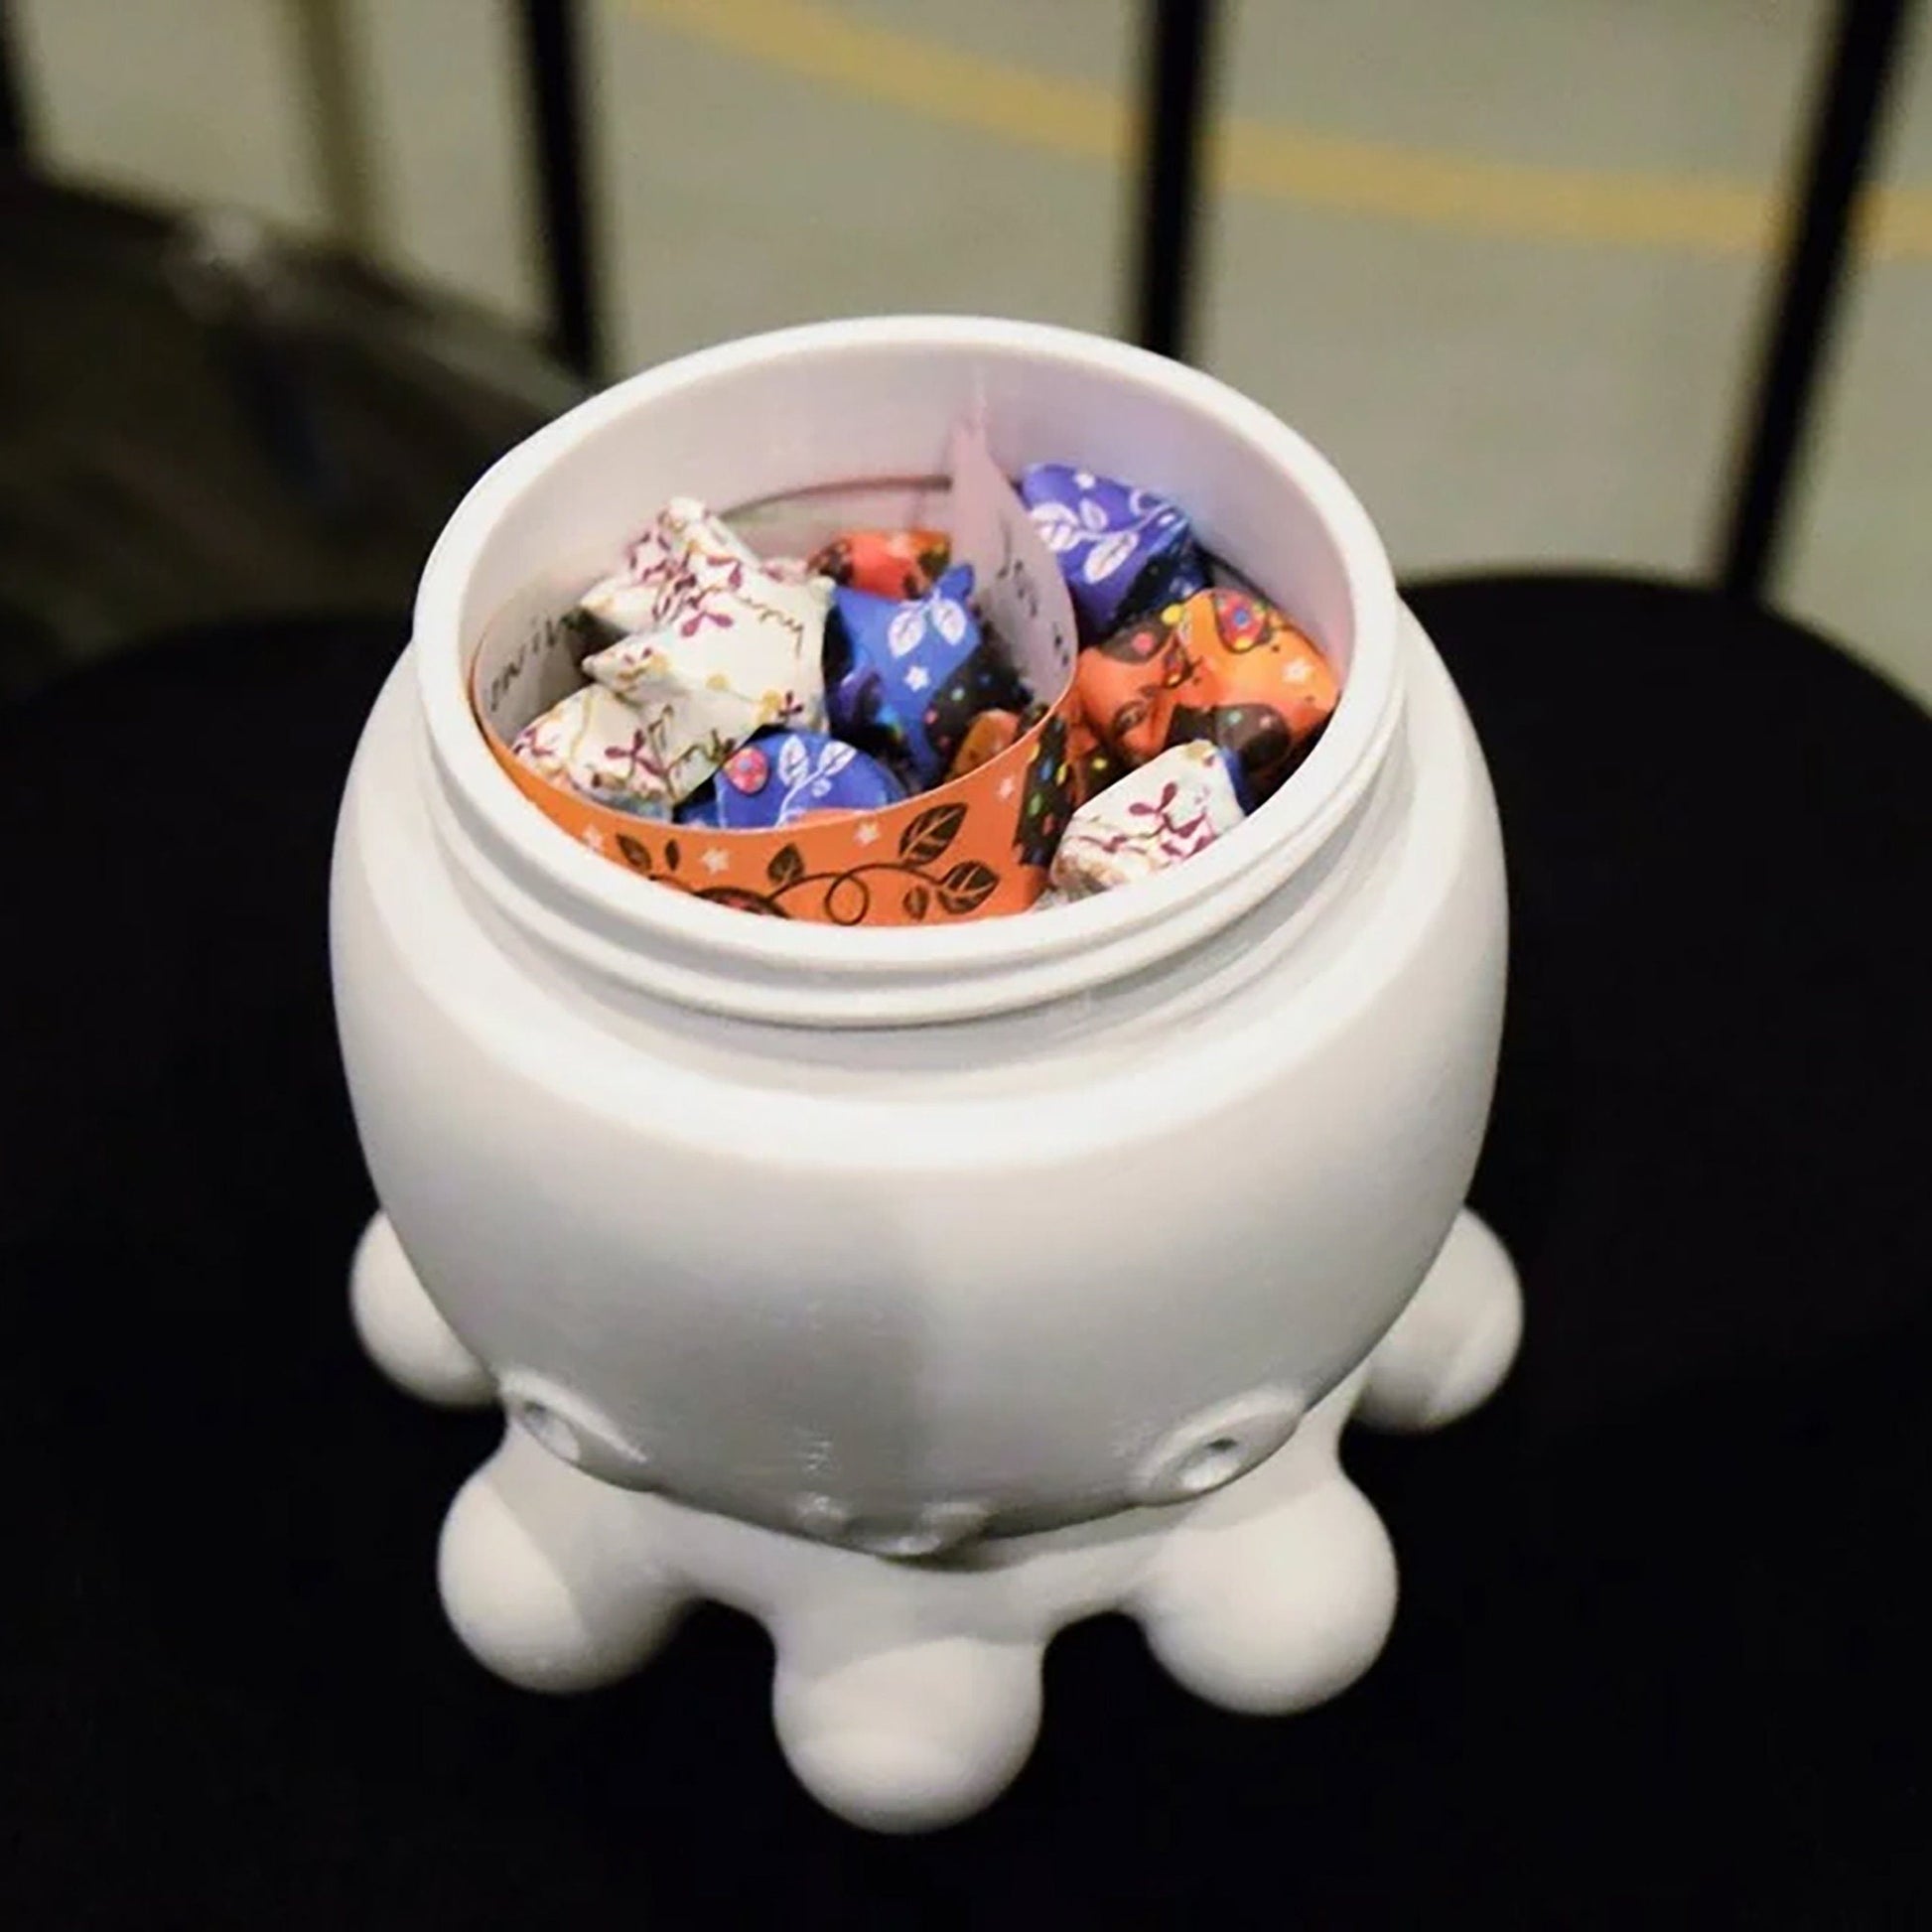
(1023, 1246)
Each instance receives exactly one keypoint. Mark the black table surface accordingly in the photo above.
(1658, 1657)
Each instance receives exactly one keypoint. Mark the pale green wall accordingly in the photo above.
(1500, 395)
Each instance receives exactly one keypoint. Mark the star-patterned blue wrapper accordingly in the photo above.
(781, 776)
(906, 678)
(1122, 550)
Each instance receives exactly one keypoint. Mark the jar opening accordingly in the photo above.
(770, 424)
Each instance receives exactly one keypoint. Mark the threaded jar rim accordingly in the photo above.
(775, 413)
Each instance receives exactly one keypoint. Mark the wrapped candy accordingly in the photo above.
(718, 646)
(990, 734)
(1122, 550)
(1049, 796)
(596, 744)
(1094, 765)
(1165, 811)
(907, 677)
(784, 775)
(1223, 667)
(683, 554)
(888, 563)
(749, 694)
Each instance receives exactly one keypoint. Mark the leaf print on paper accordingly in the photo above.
(906, 631)
(849, 901)
(817, 770)
(1092, 515)
(741, 900)
(948, 619)
(787, 866)
(1057, 525)
(637, 855)
(917, 902)
(1107, 556)
(794, 763)
(929, 835)
(967, 887)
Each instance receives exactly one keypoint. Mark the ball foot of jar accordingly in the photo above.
(401, 1329)
(1277, 1594)
(1454, 1341)
(550, 1578)
(908, 1693)
(908, 1737)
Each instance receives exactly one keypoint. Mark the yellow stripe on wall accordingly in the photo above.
(1460, 193)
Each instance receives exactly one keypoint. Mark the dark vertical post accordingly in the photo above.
(339, 131)
(13, 109)
(553, 73)
(1173, 97)
(1860, 62)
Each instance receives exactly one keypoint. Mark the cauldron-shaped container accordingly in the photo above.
(920, 1290)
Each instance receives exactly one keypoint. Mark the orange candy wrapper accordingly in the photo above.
(990, 734)
(1224, 667)
(888, 563)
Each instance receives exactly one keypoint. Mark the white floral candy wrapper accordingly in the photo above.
(683, 550)
(1164, 811)
(718, 645)
(597, 745)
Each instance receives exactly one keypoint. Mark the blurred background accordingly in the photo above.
(280, 275)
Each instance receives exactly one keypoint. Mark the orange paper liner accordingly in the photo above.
(960, 851)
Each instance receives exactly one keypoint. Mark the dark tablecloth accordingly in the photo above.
(1658, 1655)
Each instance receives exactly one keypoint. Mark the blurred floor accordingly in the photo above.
(1504, 261)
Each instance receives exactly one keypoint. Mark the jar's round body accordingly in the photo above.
(994, 1273)
(1062, 1242)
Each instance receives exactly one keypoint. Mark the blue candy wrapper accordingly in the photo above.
(906, 678)
(1122, 550)
(784, 775)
